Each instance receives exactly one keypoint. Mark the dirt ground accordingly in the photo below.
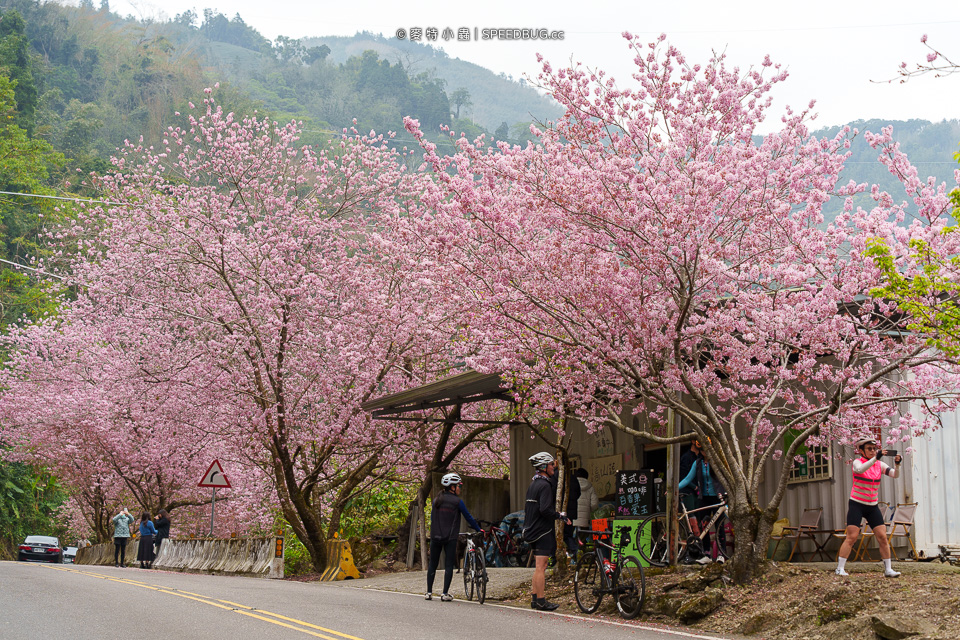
(799, 601)
(808, 602)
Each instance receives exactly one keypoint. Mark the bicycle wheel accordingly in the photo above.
(468, 569)
(480, 579)
(657, 553)
(631, 587)
(588, 583)
(718, 533)
(688, 545)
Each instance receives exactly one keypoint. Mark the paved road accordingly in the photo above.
(64, 602)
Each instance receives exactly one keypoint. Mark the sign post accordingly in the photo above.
(213, 478)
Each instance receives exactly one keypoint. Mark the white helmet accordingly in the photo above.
(541, 460)
(865, 441)
(450, 480)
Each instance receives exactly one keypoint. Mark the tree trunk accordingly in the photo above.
(751, 529)
(561, 567)
(423, 535)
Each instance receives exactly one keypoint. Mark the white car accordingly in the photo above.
(69, 554)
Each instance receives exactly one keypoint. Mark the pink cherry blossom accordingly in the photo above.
(651, 255)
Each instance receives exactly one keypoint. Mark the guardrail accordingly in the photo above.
(248, 556)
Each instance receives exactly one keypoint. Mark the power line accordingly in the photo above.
(124, 295)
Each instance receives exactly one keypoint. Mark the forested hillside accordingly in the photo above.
(930, 145)
(493, 99)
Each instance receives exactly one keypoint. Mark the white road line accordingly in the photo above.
(643, 627)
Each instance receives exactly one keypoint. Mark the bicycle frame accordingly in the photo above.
(716, 516)
(501, 540)
(474, 568)
(622, 578)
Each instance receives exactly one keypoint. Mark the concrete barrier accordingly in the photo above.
(248, 556)
(340, 565)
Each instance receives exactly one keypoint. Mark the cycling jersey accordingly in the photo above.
(445, 519)
(866, 479)
(539, 513)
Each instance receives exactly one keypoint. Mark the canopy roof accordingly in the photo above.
(463, 388)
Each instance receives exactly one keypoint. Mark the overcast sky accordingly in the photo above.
(833, 49)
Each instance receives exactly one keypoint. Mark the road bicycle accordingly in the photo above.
(502, 548)
(595, 576)
(474, 567)
(690, 536)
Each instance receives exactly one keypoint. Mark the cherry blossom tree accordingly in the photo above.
(936, 63)
(261, 260)
(81, 399)
(651, 254)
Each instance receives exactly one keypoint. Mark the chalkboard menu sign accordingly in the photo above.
(635, 492)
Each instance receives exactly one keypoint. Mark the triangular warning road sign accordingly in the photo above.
(214, 477)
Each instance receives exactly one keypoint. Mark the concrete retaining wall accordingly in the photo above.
(251, 556)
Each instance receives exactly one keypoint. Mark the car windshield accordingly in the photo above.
(42, 540)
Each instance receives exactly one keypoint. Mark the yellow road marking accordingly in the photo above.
(283, 617)
(233, 606)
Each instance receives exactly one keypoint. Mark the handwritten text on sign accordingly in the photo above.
(634, 492)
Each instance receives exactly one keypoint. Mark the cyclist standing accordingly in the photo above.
(700, 478)
(538, 530)
(444, 529)
(867, 471)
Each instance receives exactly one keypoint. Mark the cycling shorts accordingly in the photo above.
(857, 511)
(545, 545)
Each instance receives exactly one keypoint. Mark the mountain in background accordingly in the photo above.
(496, 98)
(87, 79)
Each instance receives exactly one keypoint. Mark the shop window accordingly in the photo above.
(816, 463)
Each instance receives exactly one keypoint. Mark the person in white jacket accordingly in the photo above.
(588, 501)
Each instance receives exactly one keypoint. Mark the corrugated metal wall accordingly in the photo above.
(935, 464)
(522, 446)
(831, 494)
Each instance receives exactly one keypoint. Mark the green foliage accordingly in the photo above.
(296, 559)
(494, 98)
(460, 100)
(25, 165)
(15, 59)
(216, 27)
(383, 508)
(940, 319)
(30, 500)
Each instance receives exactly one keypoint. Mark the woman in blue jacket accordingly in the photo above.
(145, 551)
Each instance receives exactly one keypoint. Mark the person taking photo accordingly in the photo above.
(867, 471)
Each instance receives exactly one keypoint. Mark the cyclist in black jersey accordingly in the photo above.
(444, 529)
(538, 525)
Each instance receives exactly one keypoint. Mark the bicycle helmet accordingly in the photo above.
(865, 441)
(541, 460)
(450, 480)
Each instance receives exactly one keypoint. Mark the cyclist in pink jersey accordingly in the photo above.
(867, 472)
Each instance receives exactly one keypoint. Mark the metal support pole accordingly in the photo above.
(213, 509)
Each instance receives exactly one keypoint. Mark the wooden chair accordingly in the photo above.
(809, 521)
(899, 524)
